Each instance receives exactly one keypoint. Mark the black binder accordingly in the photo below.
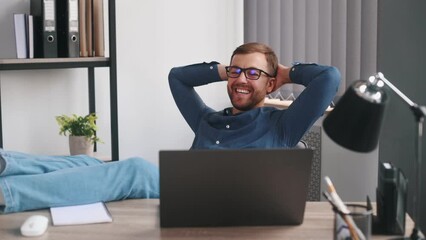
(68, 28)
(45, 32)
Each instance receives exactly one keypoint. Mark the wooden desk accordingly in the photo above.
(139, 219)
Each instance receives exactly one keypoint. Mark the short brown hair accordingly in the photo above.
(255, 47)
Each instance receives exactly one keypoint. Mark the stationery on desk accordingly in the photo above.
(80, 214)
(337, 203)
(141, 220)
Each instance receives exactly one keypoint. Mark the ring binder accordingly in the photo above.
(45, 32)
(68, 32)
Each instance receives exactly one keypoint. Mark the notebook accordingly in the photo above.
(253, 187)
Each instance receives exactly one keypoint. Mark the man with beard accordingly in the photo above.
(253, 73)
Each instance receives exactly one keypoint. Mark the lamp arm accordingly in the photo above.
(418, 110)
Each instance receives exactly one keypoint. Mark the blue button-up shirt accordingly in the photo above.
(262, 127)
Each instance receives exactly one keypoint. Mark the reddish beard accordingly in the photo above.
(244, 101)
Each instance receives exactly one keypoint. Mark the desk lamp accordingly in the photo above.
(356, 119)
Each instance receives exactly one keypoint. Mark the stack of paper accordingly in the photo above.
(81, 214)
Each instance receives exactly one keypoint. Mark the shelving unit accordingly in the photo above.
(85, 62)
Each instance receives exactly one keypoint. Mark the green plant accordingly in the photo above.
(75, 125)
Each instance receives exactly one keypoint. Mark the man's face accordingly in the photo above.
(246, 94)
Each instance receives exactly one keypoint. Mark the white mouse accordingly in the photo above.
(34, 226)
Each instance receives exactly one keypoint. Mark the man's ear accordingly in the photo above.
(271, 85)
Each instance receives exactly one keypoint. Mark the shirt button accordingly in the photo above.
(211, 67)
(227, 126)
(217, 142)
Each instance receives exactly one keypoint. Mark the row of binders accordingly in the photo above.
(60, 28)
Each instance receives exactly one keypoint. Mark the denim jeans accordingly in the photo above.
(34, 181)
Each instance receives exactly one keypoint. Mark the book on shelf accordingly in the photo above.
(30, 38)
(98, 28)
(24, 35)
(61, 28)
(82, 25)
(91, 21)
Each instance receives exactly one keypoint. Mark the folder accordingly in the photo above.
(67, 25)
(45, 32)
(98, 28)
(89, 27)
(29, 27)
(20, 35)
(82, 24)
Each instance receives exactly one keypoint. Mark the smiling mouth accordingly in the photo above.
(242, 91)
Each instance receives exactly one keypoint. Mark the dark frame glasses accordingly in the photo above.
(250, 73)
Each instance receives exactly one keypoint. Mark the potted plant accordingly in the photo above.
(81, 131)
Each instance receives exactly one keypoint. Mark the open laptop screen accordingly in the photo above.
(234, 187)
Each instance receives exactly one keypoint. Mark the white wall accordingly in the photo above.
(152, 37)
(172, 33)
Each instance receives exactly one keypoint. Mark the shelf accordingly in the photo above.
(81, 62)
(53, 63)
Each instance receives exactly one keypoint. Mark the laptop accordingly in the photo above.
(252, 187)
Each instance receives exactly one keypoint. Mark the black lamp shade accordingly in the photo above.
(355, 121)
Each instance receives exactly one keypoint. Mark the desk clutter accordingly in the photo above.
(354, 221)
(391, 200)
(139, 219)
(345, 226)
(80, 214)
(36, 225)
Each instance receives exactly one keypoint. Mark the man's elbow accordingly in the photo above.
(333, 76)
(173, 74)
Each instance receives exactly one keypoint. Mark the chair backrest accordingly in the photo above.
(312, 140)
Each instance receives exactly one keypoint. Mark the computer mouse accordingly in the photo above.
(34, 226)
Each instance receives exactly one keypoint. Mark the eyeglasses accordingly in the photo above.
(250, 73)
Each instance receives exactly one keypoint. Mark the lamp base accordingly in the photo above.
(415, 235)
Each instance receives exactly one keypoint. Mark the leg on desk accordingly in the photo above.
(18, 163)
(132, 178)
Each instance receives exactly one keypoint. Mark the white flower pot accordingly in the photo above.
(80, 145)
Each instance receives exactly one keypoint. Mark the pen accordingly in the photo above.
(328, 197)
(336, 199)
(369, 206)
(336, 209)
(338, 203)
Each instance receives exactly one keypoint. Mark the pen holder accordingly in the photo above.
(362, 217)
